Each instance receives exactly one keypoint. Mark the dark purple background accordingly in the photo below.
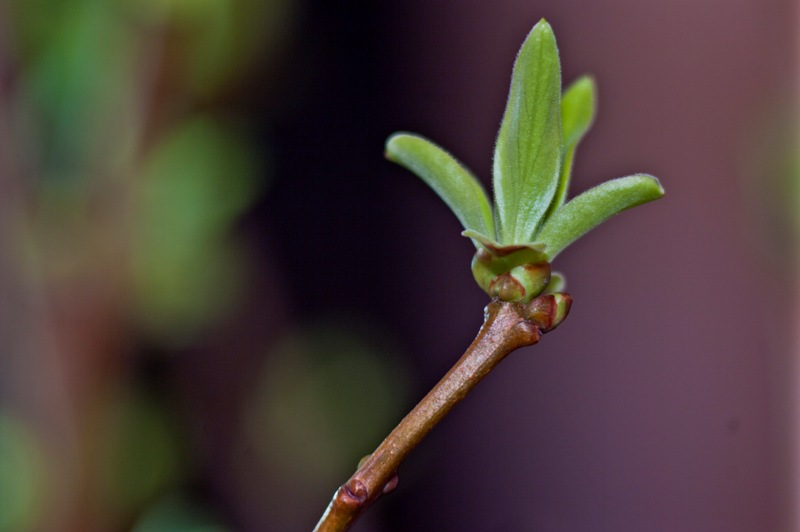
(659, 404)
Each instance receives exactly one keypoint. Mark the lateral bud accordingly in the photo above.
(548, 311)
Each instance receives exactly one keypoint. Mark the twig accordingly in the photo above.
(507, 327)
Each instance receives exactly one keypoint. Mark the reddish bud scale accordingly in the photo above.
(548, 311)
(518, 276)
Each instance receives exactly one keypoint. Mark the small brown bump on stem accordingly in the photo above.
(507, 326)
(391, 485)
(357, 490)
(528, 330)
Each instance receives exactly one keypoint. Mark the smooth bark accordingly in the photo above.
(507, 326)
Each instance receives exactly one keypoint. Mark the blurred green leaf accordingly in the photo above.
(80, 93)
(37, 23)
(22, 475)
(139, 454)
(187, 270)
(175, 513)
(197, 180)
(593, 207)
(528, 152)
(326, 397)
(459, 189)
(218, 39)
(181, 289)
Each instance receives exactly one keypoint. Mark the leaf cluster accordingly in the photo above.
(530, 221)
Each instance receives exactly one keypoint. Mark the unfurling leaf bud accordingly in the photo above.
(519, 275)
(530, 220)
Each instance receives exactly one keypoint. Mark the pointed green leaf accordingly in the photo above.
(528, 153)
(459, 189)
(480, 239)
(577, 109)
(577, 115)
(593, 207)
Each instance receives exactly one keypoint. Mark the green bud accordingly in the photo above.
(519, 275)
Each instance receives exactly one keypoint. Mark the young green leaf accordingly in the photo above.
(479, 238)
(577, 115)
(459, 189)
(528, 152)
(593, 207)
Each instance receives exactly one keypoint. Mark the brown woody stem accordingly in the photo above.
(507, 326)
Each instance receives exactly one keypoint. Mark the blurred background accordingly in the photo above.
(216, 296)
